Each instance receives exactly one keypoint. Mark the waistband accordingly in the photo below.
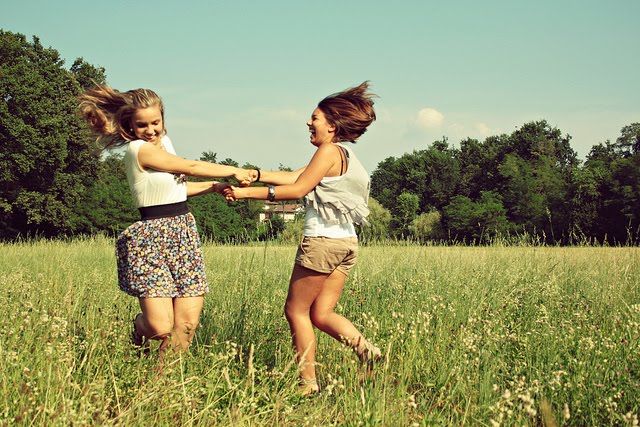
(164, 211)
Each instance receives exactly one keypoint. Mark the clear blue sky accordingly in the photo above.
(240, 77)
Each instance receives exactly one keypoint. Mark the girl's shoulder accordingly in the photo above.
(135, 144)
(329, 148)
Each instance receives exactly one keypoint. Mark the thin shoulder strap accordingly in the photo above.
(344, 158)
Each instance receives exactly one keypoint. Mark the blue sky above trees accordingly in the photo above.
(240, 78)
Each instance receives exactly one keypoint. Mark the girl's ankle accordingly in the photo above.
(308, 386)
(367, 352)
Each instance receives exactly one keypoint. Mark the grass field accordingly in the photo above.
(472, 336)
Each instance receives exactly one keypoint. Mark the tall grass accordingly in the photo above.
(472, 336)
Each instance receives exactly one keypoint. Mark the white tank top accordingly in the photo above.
(150, 187)
(315, 226)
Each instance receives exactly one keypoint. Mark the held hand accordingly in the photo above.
(219, 187)
(246, 176)
(232, 193)
(228, 194)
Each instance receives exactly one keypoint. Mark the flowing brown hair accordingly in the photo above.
(350, 111)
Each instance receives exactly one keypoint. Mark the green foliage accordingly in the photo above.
(47, 157)
(271, 228)
(585, 202)
(609, 188)
(403, 213)
(386, 182)
(107, 207)
(433, 175)
(427, 227)
(478, 222)
(52, 181)
(293, 231)
(209, 156)
(523, 198)
(536, 178)
(628, 143)
(218, 221)
(545, 191)
(479, 164)
(379, 222)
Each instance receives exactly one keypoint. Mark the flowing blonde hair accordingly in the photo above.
(108, 112)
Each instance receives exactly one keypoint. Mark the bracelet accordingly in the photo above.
(258, 178)
(271, 193)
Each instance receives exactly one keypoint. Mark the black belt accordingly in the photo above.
(164, 211)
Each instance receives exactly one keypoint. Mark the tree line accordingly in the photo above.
(529, 183)
(55, 180)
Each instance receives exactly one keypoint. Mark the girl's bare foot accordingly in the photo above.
(308, 387)
(368, 353)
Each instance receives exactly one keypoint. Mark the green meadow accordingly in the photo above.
(487, 336)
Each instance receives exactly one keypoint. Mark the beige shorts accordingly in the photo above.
(326, 254)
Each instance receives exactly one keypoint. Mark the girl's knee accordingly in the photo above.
(159, 329)
(319, 320)
(288, 311)
(187, 326)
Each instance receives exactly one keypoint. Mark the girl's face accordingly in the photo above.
(147, 124)
(321, 130)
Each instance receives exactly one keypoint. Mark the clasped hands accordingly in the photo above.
(245, 177)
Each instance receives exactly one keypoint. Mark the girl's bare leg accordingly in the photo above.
(304, 287)
(311, 302)
(325, 319)
(156, 320)
(186, 312)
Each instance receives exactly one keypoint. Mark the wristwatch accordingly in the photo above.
(272, 193)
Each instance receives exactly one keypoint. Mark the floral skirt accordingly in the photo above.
(161, 258)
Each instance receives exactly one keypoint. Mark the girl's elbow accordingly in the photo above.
(192, 169)
(298, 194)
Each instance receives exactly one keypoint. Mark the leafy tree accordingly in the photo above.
(87, 75)
(522, 195)
(615, 172)
(403, 214)
(476, 221)
(107, 207)
(479, 165)
(209, 156)
(386, 182)
(585, 203)
(217, 220)
(427, 226)
(628, 143)
(535, 140)
(432, 174)
(535, 178)
(47, 156)
(379, 219)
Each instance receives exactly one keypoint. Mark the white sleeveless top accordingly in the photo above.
(315, 226)
(342, 200)
(150, 187)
